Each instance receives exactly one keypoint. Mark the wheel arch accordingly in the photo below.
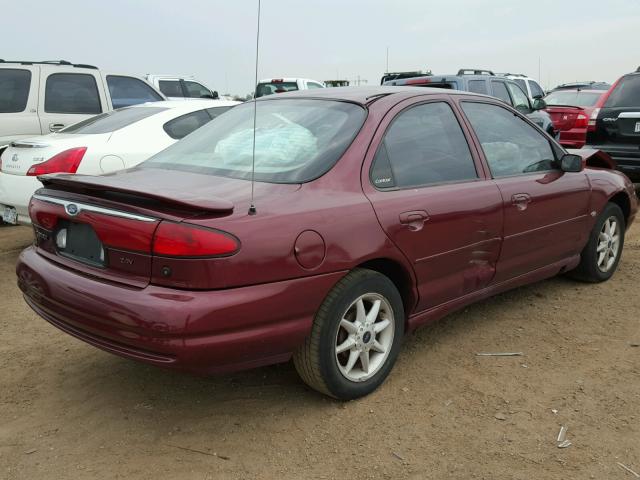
(622, 200)
(401, 278)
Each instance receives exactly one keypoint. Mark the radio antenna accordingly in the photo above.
(252, 207)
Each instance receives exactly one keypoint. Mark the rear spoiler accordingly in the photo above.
(173, 193)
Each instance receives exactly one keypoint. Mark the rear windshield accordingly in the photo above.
(626, 93)
(275, 87)
(112, 121)
(14, 90)
(573, 98)
(295, 141)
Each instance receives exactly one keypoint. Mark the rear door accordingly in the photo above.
(432, 199)
(545, 209)
(69, 95)
(19, 102)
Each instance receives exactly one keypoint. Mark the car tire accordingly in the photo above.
(347, 326)
(600, 257)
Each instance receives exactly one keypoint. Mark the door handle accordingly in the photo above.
(521, 200)
(54, 127)
(414, 219)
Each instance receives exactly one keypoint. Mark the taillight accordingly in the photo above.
(181, 240)
(581, 121)
(64, 162)
(593, 119)
(418, 81)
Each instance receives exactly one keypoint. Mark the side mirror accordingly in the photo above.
(539, 104)
(571, 163)
(215, 95)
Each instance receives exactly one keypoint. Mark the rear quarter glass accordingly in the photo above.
(14, 89)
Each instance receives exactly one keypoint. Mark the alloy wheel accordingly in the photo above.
(608, 244)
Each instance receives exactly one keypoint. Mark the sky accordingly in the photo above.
(554, 41)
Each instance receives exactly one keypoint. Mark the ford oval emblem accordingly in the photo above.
(72, 209)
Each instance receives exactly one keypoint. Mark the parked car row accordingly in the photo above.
(318, 225)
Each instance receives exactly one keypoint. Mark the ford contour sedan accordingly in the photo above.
(377, 210)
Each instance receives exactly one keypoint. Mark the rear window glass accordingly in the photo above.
(573, 98)
(127, 91)
(14, 90)
(626, 93)
(171, 88)
(71, 93)
(275, 87)
(112, 121)
(295, 141)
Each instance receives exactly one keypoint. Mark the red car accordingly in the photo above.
(570, 112)
(377, 210)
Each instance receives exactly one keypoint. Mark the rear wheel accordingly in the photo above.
(355, 338)
(600, 257)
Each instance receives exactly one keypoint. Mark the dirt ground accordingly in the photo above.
(68, 410)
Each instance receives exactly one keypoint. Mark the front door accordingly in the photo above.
(431, 198)
(545, 209)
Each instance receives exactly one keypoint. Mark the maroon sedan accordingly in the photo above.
(378, 210)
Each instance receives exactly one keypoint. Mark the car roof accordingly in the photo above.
(288, 79)
(363, 95)
(587, 90)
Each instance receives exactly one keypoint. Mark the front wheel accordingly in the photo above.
(355, 338)
(600, 257)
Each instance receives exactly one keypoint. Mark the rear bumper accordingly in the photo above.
(573, 138)
(200, 331)
(627, 158)
(16, 191)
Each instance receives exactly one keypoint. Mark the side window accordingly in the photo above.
(182, 126)
(127, 91)
(195, 90)
(500, 91)
(511, 146)
(520, 99)
(14, 90)
(424, 145)
(314, 85)
(71, 93)
(536, 90)
(521, 83)
(478, 86)
(170, 88)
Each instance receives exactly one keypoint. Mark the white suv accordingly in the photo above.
(37, 98)
(530, 86)
(269, 86)
(180, 87)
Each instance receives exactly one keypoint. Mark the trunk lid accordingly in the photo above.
(564, 117)
(105, 226)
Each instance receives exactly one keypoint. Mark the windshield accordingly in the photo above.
(295, 141)
(112, 121)
(573, 98)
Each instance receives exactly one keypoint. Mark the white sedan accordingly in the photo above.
(102, 144)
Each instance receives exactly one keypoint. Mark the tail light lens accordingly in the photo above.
(581, 121)
(181, 240)
(593, 119)
(64, 162)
